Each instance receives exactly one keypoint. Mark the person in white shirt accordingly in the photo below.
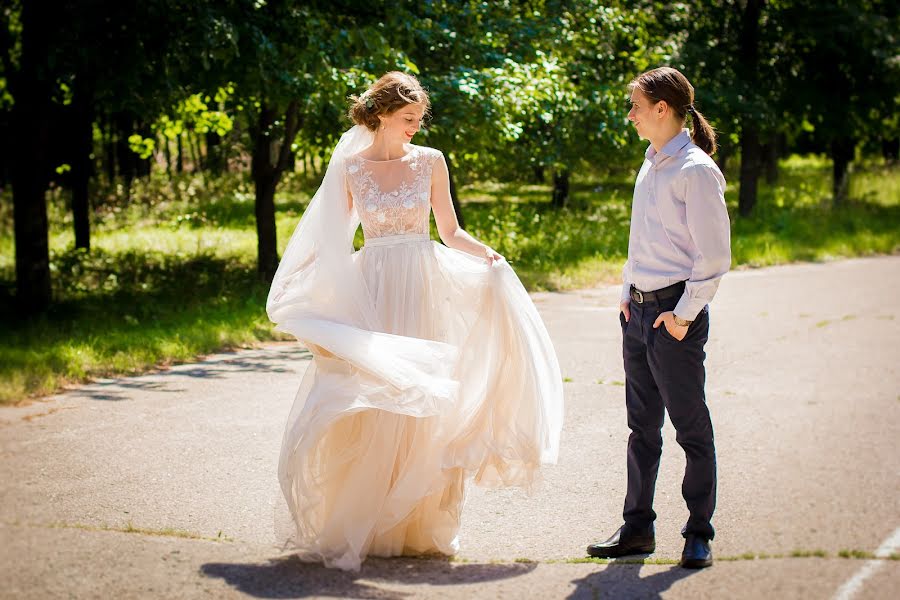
(678, 250)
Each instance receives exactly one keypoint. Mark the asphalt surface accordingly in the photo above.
(162, 486)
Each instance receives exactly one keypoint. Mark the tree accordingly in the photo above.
(777, 70)
(601, 47)
(292, 65)
(728, 49)
(519, 90)
(748, 71)
(31, 82)
(461, 52)
(846, 80)
(125, 76)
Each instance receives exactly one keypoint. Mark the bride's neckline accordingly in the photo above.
(412, 149)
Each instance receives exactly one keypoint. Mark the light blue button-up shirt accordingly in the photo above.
(679, 225)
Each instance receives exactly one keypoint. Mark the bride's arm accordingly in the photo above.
(349, 195)
(448, 226)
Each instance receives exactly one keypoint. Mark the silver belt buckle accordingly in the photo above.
(640, 295)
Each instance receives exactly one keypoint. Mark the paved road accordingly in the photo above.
(162, 485)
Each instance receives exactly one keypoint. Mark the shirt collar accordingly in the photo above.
(672, 147)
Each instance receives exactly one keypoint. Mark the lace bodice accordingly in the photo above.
(393, 197)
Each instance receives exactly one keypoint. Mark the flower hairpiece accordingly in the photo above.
(370, 104)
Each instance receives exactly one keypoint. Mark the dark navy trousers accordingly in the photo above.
(663, 375)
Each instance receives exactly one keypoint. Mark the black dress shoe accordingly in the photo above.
(624, 542)
(696, 553)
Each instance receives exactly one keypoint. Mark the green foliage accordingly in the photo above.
(195, 112)
(848, 46)
(807, 51)
(516, 88)
(141, 146)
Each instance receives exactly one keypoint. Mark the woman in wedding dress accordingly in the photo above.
(431, 367)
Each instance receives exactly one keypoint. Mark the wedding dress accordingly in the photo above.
(430, 369)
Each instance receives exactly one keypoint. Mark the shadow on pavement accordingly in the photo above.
(118, 389)
(291, 578)
(624, 581)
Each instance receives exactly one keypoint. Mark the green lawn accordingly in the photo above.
(171, 274)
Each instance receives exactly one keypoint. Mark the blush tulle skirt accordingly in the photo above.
(382, 440)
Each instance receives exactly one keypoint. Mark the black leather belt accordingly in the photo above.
(676, 289)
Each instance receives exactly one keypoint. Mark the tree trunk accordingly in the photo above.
(200, 165)
(770, 151)
(722, 155)
(890, 149)
(168, 152)
(5, 153)
(266, 236)
(6, 130)
(560, 196)
(750, 146)
(109, 149)
(215, 156)
(82, 103)
(180, 163)
(31, 237)
(265, 179)
(192, 149)
(842, 151)
(267, 166)
(539, 175)
(143, 165)
(321, 166)
(302, 161)
(32, 88)
(457, 208)
(751, 152)
(126, 159)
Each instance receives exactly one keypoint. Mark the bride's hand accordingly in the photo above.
(492, 255)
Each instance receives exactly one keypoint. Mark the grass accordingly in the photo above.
(171, 274)
(142, 310)
(859, 554)
(809, 554)
(130, 528)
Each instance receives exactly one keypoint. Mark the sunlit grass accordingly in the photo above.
(171, 274)
(130, 528)
(796, 220)
(152, 312)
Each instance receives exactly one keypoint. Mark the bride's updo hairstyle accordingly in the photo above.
(390, 93)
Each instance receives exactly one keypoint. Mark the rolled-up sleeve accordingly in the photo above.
(707, 221)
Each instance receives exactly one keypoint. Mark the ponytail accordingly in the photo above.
(702, 132)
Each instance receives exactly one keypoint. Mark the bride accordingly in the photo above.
(431, 366)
